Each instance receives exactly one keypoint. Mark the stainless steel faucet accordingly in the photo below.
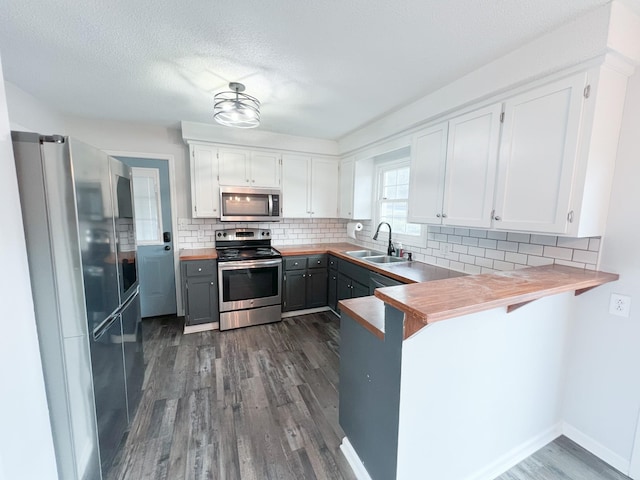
(390, 249)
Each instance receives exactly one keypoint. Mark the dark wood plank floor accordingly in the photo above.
(254, 403)
(562, 459)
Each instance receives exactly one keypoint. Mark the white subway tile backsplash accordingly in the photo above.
(584, 256)
(508, 246)
(468, 250)
(559, 253)
(494, 254)
(497, 235)
(516, 258)
(579, 243)
(486, 243)
(518, 237)
(544, 240)
(534, 261)
(530, 249)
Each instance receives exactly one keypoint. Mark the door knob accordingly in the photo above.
(167, 247)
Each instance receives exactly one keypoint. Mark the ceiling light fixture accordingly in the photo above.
(236, 109)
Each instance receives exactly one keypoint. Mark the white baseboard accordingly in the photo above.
(203, 327)
(599, 450)
(304, 312)
(354, 460)
(517, 454)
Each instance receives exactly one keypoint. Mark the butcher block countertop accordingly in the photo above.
(406, 272)
(426, 303)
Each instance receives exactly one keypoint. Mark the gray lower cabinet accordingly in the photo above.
(353, 280)
(332, 284)
(304, 282)
(200, 291)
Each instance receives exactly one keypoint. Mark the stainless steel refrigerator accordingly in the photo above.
(77, 208)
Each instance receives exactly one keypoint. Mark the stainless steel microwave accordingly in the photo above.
(249, 204)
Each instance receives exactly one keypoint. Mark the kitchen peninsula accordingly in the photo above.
(449, 399)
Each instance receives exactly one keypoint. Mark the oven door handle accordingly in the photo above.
(248, 264)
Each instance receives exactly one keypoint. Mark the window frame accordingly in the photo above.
(153, 173)
(380, 168)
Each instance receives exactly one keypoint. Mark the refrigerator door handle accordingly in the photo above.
(106, 325)
(129, 300)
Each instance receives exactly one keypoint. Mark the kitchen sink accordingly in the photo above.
(384, 259)
(364, 253)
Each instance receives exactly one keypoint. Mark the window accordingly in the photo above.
(146, 201)
(393, 201)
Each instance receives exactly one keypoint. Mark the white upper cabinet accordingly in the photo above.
(205, 189)
(324, 188)
(309, 187)
(426, 188)
(356, 188)
(472, 154)
(295, 186)
(538, 154)
(265, 169)
(241, 167)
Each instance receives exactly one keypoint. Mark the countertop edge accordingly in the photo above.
(368, 312)
(565, 279)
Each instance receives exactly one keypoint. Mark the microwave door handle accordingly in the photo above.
(270, 212)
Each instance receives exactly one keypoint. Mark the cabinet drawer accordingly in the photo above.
(295, 263)
(207, 267)
(317, 261)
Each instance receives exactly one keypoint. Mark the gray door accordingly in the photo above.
(154, 236)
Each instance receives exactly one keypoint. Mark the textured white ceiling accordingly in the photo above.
(321, 68)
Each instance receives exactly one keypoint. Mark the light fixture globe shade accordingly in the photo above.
(236, 109)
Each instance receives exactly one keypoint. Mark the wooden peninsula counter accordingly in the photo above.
(455, 378)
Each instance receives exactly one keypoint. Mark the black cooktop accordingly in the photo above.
(246, 253)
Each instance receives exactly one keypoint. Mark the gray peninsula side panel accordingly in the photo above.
(370, 392)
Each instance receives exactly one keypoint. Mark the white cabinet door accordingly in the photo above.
(538, 152)
(356, 188)
(472, 154)
(265, 169)
(347, 176)
(426, 188)
(205, 190)
(295, 186)
(234, 167)
(324, 188)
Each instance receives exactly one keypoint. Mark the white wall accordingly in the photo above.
(26, 444)
(139, 138)
(603, 389)
(483, 391)
(26, 113)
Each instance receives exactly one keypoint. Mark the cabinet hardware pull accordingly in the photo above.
(497, 217)
(444, 215)
(570, 216)
(211, 283)
(438, 215)
(199, 269)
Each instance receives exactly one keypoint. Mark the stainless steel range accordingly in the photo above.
(249, 278)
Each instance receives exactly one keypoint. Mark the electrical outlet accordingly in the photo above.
(619, 305)
(444, 248)
(200, 233)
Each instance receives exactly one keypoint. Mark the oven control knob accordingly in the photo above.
(267, 234)
(219, 234)
(224, 234)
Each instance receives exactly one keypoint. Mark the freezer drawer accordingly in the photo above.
(133, 355)
(109, 388)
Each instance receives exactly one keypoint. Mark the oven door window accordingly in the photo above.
(235, 204)
(250, 283)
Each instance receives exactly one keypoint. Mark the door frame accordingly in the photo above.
(174, 210)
